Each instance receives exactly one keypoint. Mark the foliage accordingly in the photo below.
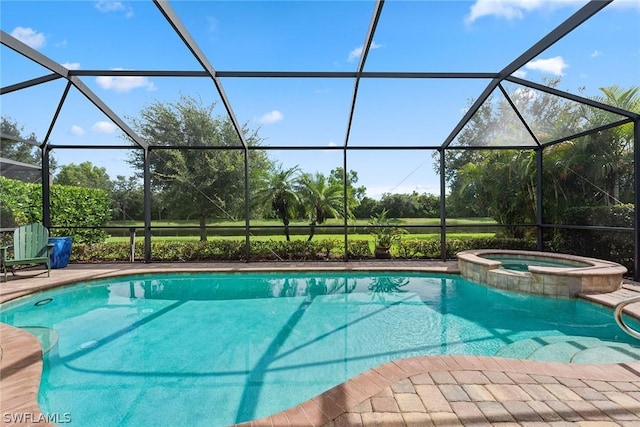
(127, 198)
(207, 182)
(298, 250)
(608, 245)
(359, 249)
(595, 169)
(278, 192)
(84, 175)
(19, 151)
(70, 207)
(354, 194)
(320, 199)
(385, 230)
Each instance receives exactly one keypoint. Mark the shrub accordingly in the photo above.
(71, 207)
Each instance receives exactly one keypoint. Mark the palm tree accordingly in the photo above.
(279, 193)
(320, 199)
(616, 145)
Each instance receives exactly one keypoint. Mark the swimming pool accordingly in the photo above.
(215, 349)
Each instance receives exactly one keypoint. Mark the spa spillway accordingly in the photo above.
(542, 273)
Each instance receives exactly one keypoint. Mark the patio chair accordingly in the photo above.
(30, 246)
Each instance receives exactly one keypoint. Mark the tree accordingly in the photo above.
(206, 182)
(17, 150)
(279, 193)
(25, 151)
(127, 198)
(611, 150)
(320, 199)
(355, 194)
(86, 174)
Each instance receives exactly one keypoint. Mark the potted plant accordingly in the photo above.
(386, 232)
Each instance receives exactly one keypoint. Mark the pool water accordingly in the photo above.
(522, 264)
(217, 349)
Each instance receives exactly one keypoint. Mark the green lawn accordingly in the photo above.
(277, 234)
(304, 223)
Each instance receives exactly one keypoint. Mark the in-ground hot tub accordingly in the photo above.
(542, 273)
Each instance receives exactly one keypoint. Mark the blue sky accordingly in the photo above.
(447, 36)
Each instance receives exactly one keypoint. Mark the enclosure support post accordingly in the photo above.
(46, 187)
(147, 205)
(345, 209)
(539, 204)
(443, 212)
(247, 209)
(636, 200)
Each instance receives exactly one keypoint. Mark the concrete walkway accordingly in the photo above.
(421, 391)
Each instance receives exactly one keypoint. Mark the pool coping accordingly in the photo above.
(363, 400)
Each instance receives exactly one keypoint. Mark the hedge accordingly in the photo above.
(329, 249)
(21, 203)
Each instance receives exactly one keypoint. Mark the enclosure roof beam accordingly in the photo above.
(15, 163)
(290, 74)
(586, 12)
(570, 24)
(363, 58)
(18, 139)
(27, 51)
(29, 83)
(183, 33)
(576, 98)
(95, 100)
(15, 44)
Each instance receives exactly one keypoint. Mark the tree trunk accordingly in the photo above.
(312, 231)
(285, 221)
(203, 229)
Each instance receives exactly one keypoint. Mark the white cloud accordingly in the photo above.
(71, 65)
(104, 127)
(30, 37)
(271, 117)
(514, 9)
(596, 53)
(355, 53)
(124, 84)
(520, 73)
(330, 144)
(108, 6)
(555, 65)
(76, 130)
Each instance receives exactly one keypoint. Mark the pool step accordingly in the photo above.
(571, 349)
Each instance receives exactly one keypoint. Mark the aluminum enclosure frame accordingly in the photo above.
(208, 71)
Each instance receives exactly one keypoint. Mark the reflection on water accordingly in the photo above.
(250, 345)
(229, 288)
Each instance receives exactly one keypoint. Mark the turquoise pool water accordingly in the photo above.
(523, 263)
(216, 349)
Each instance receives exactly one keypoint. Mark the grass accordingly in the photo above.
(279, 238)
(303, 223)
(193, 235)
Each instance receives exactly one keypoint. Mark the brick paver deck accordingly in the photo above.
(420, 391)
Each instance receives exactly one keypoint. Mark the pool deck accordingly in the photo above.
(421, 391)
